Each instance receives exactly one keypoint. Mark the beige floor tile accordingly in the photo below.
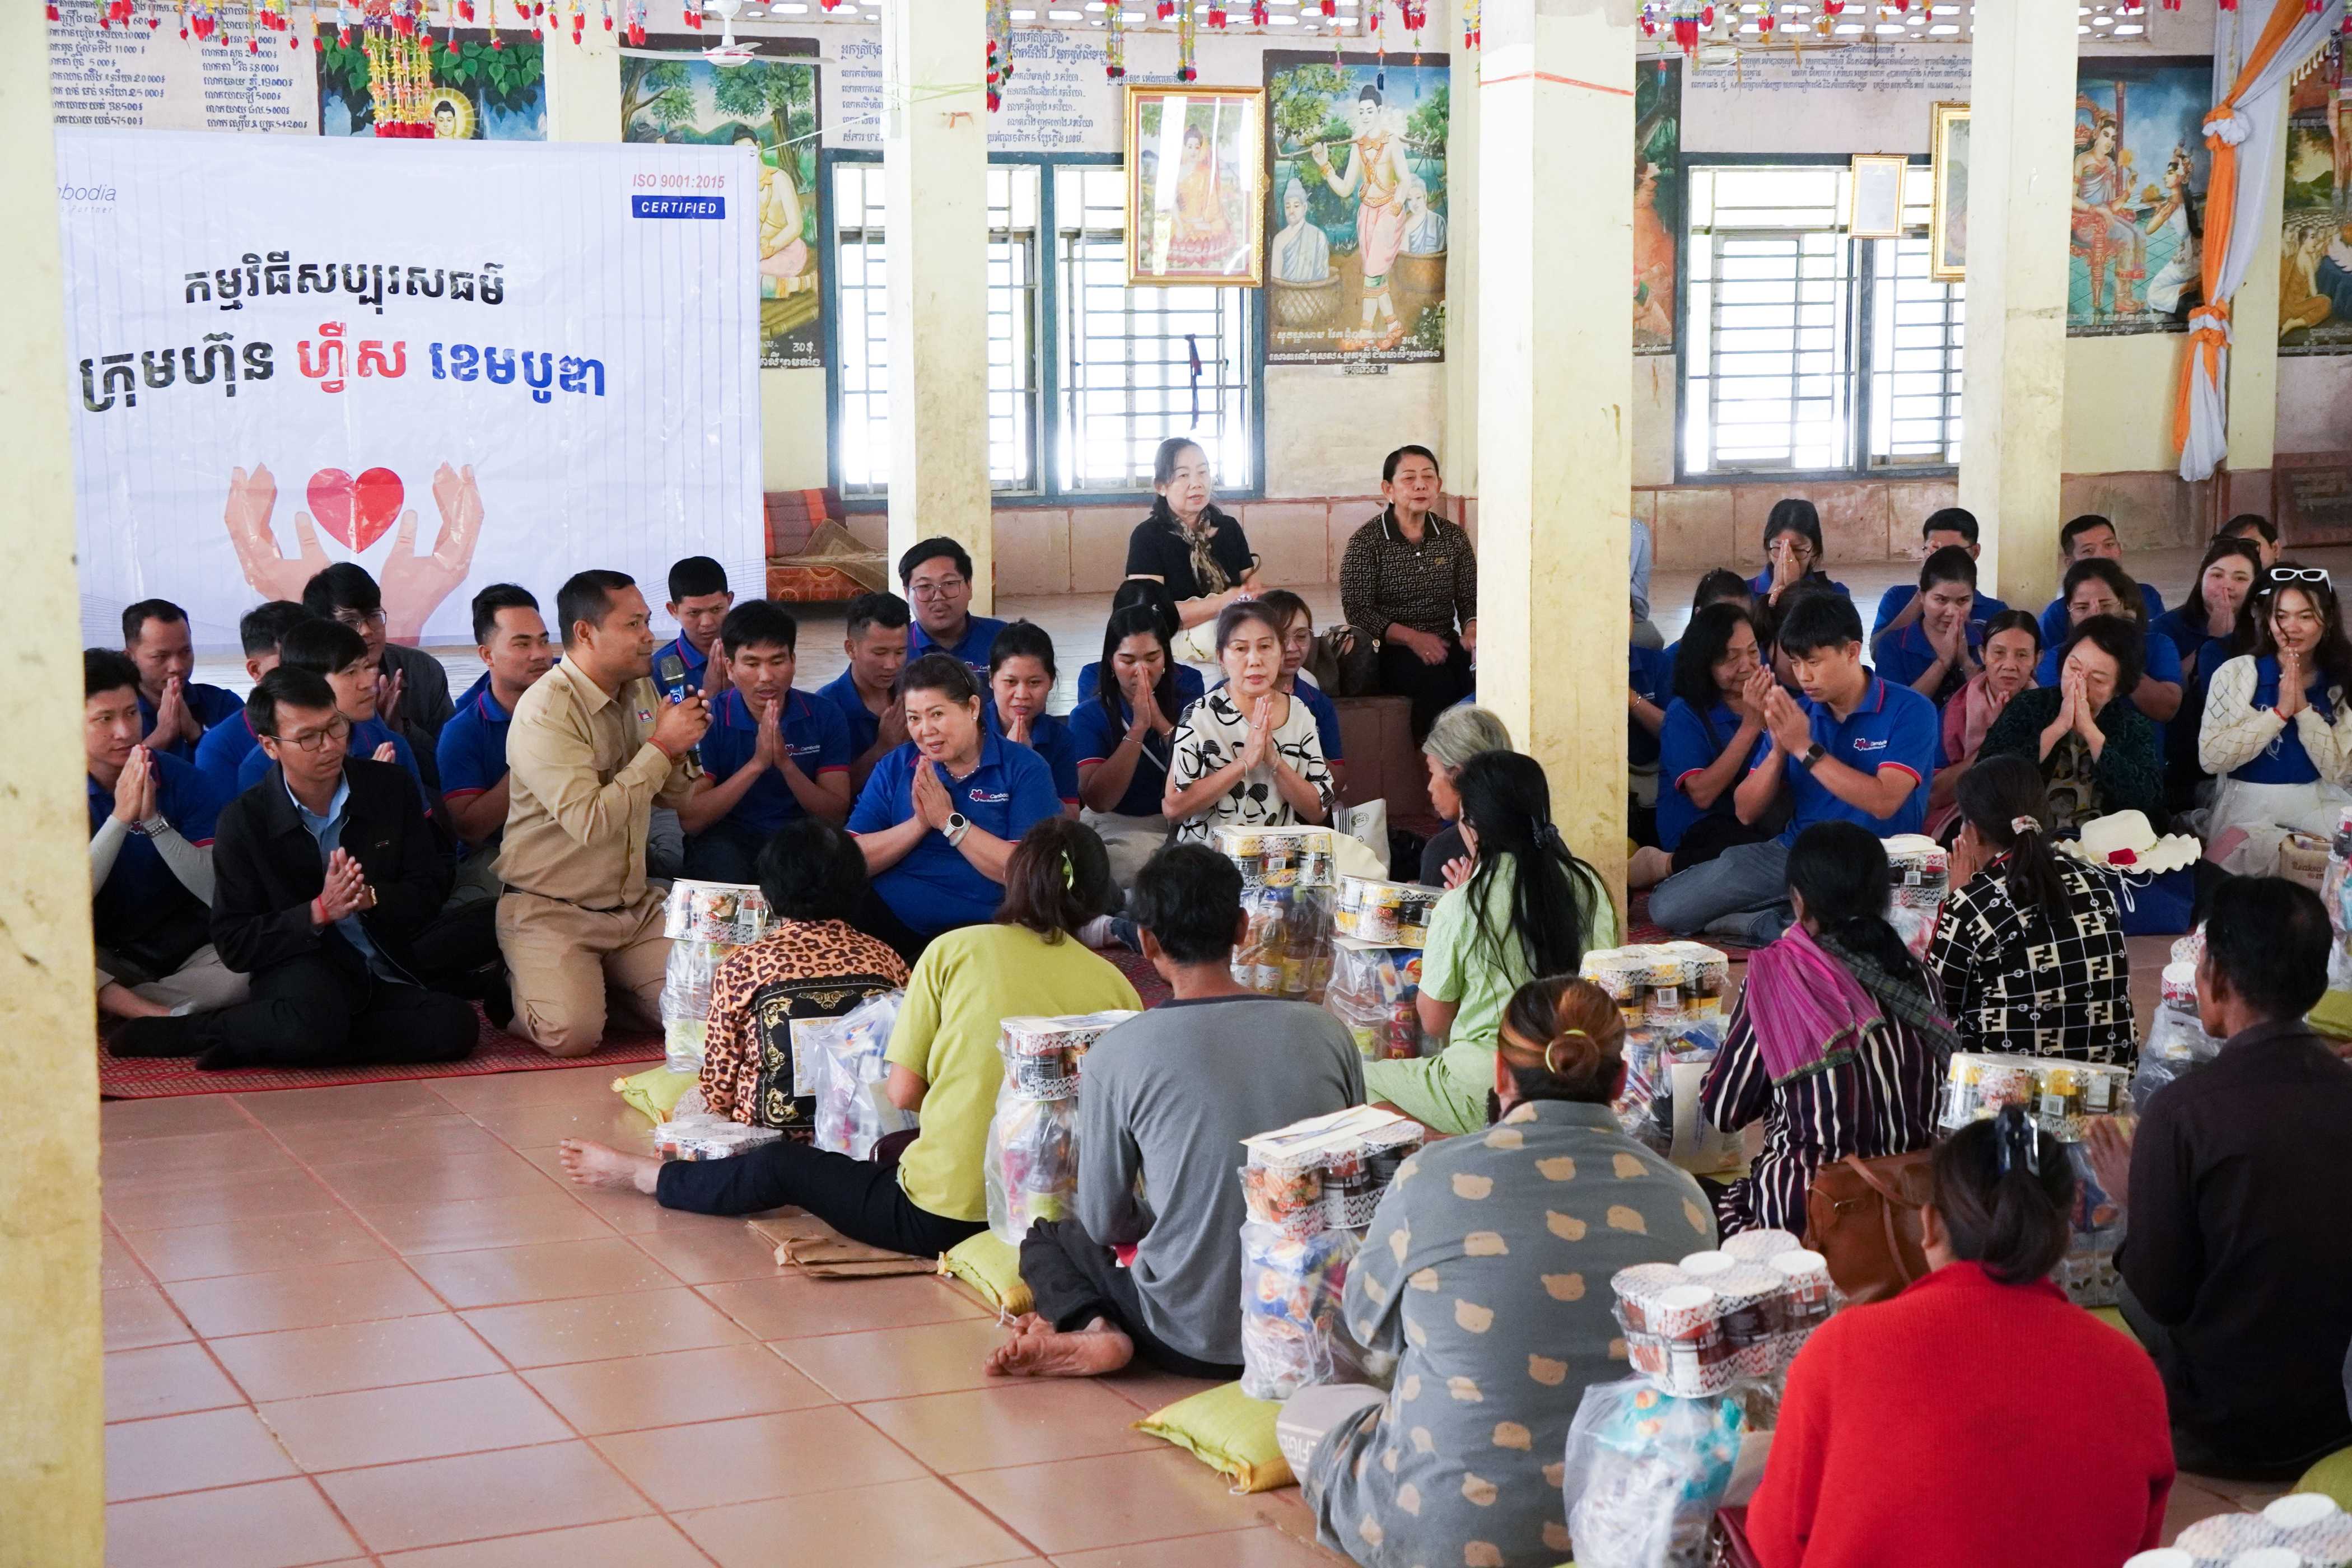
(321, 1144)
(911, 1524)
(598, 1328)
(1260, 1548)
(795, 1306)
(1150, 1389)
(715, 1252)
(2188, 1503)
(434, 1502)
(490, 1090)
(123, 1120)
(166, 1380)
(624, 1543)
(276, 1524)
(1014, 1423)
(787, 1454)
(302, 1298)
(409, 1181)
(416, 1421)
(117, 1265)
(136, 1316)
(168, 1201)
(190, 1452)
(896, 1364)
(315, 1240)
(546, 1271)
(640, 1391)
(246, 1150)
(305, 1361)
(538, 1124)
(508, 1219)
(1128, 1498)
(349, 1103)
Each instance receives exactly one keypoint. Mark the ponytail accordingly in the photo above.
(1562, 1038)
(1555, 896)
(2003, 799)
(2005, 1191)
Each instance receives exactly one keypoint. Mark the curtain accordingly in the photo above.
(2243, 134)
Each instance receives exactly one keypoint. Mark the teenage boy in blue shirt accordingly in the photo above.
(2083, 539)
(226, 743)
(341, 653)
(770, 755)
(510, 636)
(875, 635)
(1953, 528)
(937, 577)
(175, 711)
(698, 602)
(1857, 749)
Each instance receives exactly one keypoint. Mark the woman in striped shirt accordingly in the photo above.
(1837, 1041)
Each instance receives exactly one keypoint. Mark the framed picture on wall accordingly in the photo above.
(1194, 163)
(1948, 225)
(1876, 210)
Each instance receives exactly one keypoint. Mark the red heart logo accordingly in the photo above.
(356, 511)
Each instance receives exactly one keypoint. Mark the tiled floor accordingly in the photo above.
(372, 1325)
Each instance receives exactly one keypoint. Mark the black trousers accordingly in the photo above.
(1434, 688)
(2200, 1452)
(1075, 1280)
(859, 1199)
(311, 1012)
(726, 851)
(878, 919)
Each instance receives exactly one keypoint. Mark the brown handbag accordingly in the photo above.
(1863, 1216)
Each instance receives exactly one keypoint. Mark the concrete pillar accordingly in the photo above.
(1460, 456)
(2021, 170)
(935, 176)
(583, 85)
(52, 1457)
(1555, 380)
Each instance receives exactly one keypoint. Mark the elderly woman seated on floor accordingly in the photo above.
(943, 1062)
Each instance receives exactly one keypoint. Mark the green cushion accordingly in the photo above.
(992, 1268)
(1229, 1432)
(655, 1092)
(2332, 1476)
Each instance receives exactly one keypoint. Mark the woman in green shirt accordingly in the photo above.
(943, 1062)
(1528, 908)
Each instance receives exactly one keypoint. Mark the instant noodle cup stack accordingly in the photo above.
(1920, 869)
(2178, 987)
(1637, 1286)
(2222, 1538)
(1760, 1245)
(1350, 1156)
(1703, 1265)
(1807, 1274)
(734, 913)
(1294, 856)
(1042, 1055)
(1753, 1299)
(1392, 914)
(2312, 1527)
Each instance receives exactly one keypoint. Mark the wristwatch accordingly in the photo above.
(957, 826)
(153, 827)
(1813, 753)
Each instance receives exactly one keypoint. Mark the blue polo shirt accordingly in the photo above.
(1648, 672)
(2054, 624)
(2162, 658)
(1891, 604)
(2173, 626)
(366, 736)
(141, 890)
(697, 664)
(1761, 583)
(472, 751)
(814, 733)
(1096, 737)
(1892, 727)
(863, 725)
(1191, 687)
(223, 749)
(1689, 743)
(934, 888)
(1908, 655)
(211, 705)
(1050, 737)
(979, 637)
(1326, 711)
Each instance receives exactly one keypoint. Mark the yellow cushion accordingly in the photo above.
(2113, 1319)
(992, 1268)
(1229, 1432)
(2333, 1016)
(654, 1092)
(2332, 1476)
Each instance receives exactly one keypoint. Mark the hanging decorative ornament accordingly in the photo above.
(1259, 16)
(1470, 24)
(1187, 70)
(399, 48)
(204, 19)
(1115, 41)
(1376, 29)
(1216, 16)
(1162, 10)
(999, 50)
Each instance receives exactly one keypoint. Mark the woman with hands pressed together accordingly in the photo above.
(1247, 755)
(1020, 675)
(2276, 732)
(2012, 647)
(2095, 750)
(1793, 551)
(938, 816)
(1713, 734)
(1122, 733)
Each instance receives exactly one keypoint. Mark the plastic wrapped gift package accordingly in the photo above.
(1042, 1055)
(686, 1000)
(731, 913)
(1294, 856)
(1375, 991)
(708, 1137)
(1291, 1290)
(1394, 914)
(1663, 985)
(847, 1070)
(2088, 1273)
(1350, 1157)
(1920, 869)
(1031, 1164)
(1645, 1470)
(2062, 1096)
(1285, 949)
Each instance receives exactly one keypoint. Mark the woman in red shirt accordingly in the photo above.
(1979, 1416)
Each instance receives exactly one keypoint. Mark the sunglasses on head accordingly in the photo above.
(2281, 576)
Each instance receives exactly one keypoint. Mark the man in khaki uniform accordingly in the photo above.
(591, 749)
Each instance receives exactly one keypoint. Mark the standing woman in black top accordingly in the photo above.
(1187, 543)
(1410, 582)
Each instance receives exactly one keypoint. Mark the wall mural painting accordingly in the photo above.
(2315, 248)
(465, 89)
(1356, 208)
(1658, 201)
(2140, 168)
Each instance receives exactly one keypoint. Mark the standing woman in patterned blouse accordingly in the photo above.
(1837, 1042)
(1410, 583)
(2030, 952)
(1247, 755)
(1484, 1280)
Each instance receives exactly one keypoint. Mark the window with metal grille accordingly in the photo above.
(1086, 376)
(1805, 351)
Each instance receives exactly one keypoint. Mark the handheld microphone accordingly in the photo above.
(670, 674)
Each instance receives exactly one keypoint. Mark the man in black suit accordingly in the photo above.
(324, 874)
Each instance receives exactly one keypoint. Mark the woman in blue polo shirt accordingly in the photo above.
(938, 816)
(1792, 551)
(2212, 623)
(1021, 677)
(2277, 729)
(1714, 734)
(1123, 732)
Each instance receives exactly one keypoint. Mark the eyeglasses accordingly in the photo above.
(359, 620)
(2280, 575)
(938, 590)
(312, 740)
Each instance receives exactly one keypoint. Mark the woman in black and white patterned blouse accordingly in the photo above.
(2030, 952)
(1247, 755)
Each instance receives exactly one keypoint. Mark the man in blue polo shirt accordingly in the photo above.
(2086, 538)
(770, 755)
(341, 653)
(698, 602)
(151, 834)
(1943, 644)
(874, 636)
(511, 638)
(226, 743)
(175, 711)
(1857, 749)
(936, 575)
(1953, 526)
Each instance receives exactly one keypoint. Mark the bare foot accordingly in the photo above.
(594, 1164)
(1648, 867)
(1038, 1350)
